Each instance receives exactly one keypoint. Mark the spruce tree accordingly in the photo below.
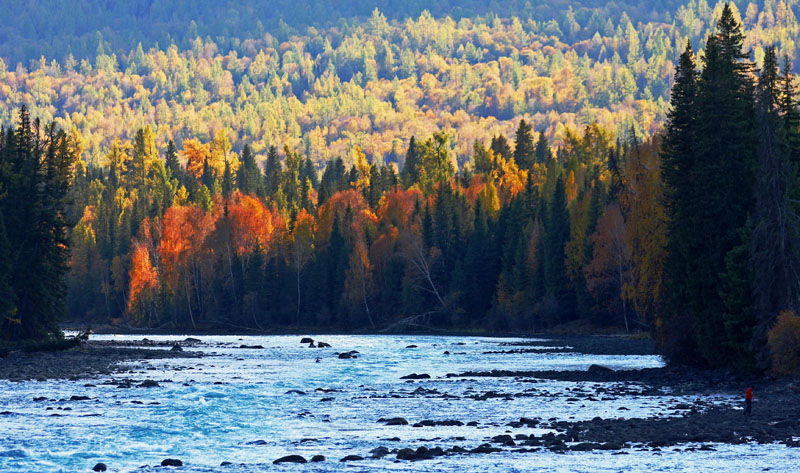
(524, 151)
(248, 177)
(411, 165)
(774, 245)
(500, 146)
(677, 158)
(715, 153)
(172, 163)
(272, 173)
(543, 153)
(556, 237)
(8, 299)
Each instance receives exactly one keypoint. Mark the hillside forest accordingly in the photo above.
(480, 175)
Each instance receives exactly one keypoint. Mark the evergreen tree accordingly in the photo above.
(500, 146)
(677, 161)
(172, 163)
(524, 150)
(8, 299)
(711, 209)
(272, 173)
(775, 252)
(411, 165)
(543, 153)
(248, 176)
(37, 181)
(556, 237)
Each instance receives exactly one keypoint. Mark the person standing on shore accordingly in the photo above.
(748, 401)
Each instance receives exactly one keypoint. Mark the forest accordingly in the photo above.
(479, 175)
(371, 80)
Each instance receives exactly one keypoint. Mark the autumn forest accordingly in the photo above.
(510, 170)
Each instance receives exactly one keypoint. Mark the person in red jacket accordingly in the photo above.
(748, 401)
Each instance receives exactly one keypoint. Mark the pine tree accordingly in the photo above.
(524, 150)
(557, 235)
(500, 147)
(710, 209)
(677, 161)
(543, 153)
(272, 173)
(172, 163)
(37, 184)
(775, 252)
(8, 299)
(248, 177)
(411, 165)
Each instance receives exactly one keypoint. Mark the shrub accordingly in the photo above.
(784, 343)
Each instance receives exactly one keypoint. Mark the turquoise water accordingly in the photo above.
(237, 405)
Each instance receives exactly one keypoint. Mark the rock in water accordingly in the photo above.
(323, 345)
(176, 347)
(416, 376)
(351, 458)
(396, 421)
(599, 369)
(290, 459)
(100, 467)
(318, 458)
(306, 340)
(171, 462)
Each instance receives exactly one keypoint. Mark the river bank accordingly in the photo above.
(89, 360)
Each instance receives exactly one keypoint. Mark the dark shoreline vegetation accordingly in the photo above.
(687, 233)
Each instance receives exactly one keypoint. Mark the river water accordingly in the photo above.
(251, 406)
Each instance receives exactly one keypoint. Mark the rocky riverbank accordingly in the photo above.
(89, 360)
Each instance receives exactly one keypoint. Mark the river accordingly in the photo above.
(250, 406)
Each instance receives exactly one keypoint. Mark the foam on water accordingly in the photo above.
(202, 423)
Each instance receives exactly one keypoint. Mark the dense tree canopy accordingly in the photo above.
(484, 174)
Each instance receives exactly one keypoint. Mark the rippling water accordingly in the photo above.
(209, 410)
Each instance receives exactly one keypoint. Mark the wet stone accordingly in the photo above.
(290, 459)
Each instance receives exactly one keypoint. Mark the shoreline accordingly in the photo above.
(91, 359)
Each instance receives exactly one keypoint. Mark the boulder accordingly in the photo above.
(379, 452)
(416, 376)
(598, 369)
(149, 383)
(252, 347)
(79, 398)
(583, 447)
(485, 448)
(176, 347)
(395, 421)
(610, 446)
(171, 462)
(351, 458)
(192, 340)
(412, 346)
(290, 459)
(504, 439)
(323, 345)
(100, 467)
(306, 340)
(317, 458)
